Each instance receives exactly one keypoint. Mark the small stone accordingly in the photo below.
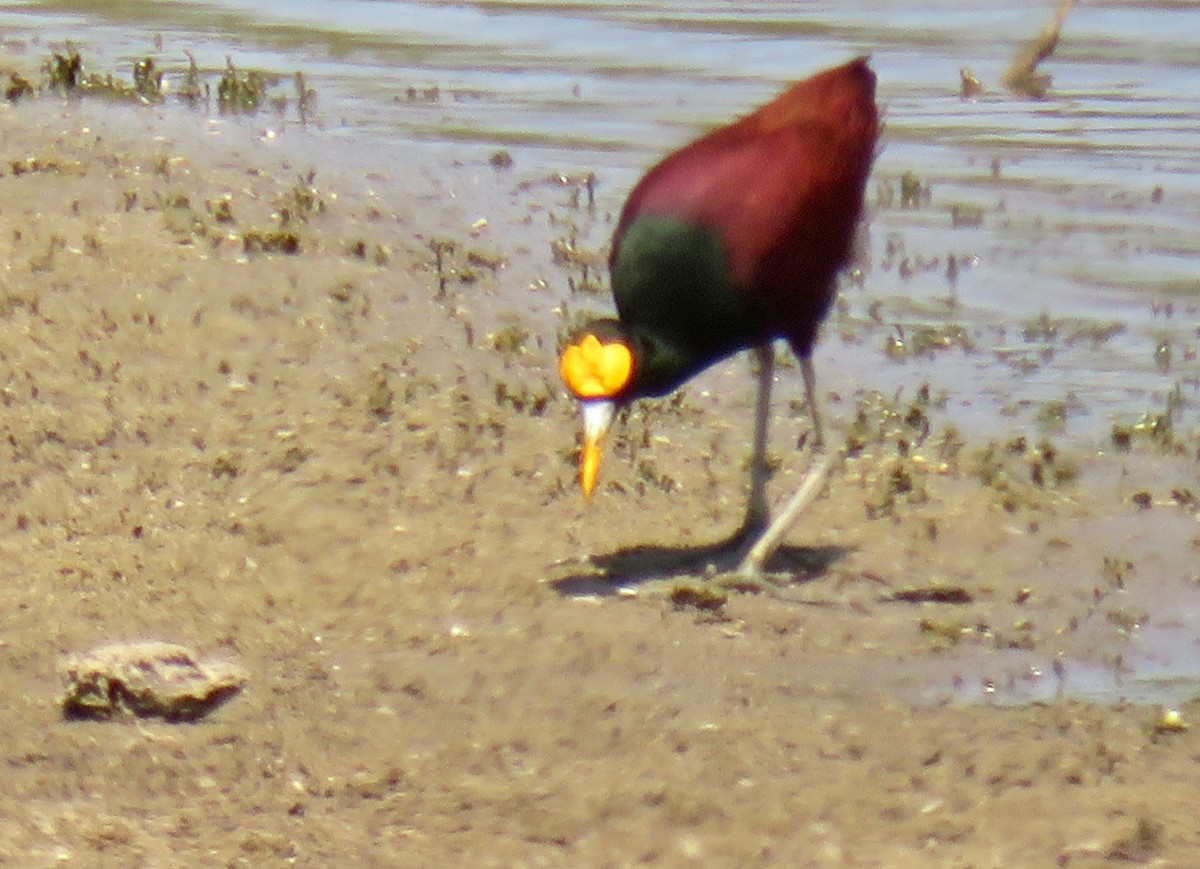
(146, 680)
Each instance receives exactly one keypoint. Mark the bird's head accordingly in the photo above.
(597, 367)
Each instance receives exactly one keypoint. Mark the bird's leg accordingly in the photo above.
(809, 489)
(766, 545)
(758, 511)
(814, 406)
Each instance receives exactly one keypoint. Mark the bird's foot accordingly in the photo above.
(754, 581)
(729, 569)
(750, 575)
(733, 549)
(749, 570)
(765, 544)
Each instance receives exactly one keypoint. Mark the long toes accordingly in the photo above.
(749, 572)
(740, 582)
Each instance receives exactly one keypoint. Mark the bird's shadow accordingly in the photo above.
(606, 574)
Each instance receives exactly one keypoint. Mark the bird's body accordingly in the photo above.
(737, 238)
(733, 241)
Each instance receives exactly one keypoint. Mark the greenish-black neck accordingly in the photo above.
(678, 303)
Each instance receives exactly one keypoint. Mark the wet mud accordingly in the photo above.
(345, 465)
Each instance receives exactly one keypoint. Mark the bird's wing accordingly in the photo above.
(782, 186)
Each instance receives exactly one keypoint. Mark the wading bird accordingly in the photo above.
(728, 244)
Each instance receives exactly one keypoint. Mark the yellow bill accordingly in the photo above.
(597, 417)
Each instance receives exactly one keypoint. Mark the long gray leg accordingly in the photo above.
(758, 512)
(810, 487)
(810, 395)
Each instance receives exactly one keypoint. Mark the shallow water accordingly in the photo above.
(1077, 289)
(1072, 225)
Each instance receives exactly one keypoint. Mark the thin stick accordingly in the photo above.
(1022, 76)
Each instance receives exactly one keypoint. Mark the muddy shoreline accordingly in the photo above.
(364, 494)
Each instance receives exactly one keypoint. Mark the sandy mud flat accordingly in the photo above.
(235, 414)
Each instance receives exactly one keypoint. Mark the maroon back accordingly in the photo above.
(784, 188)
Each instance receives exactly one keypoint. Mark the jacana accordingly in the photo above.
(728, 244)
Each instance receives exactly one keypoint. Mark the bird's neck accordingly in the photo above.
(662, 364)
(678, 303)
